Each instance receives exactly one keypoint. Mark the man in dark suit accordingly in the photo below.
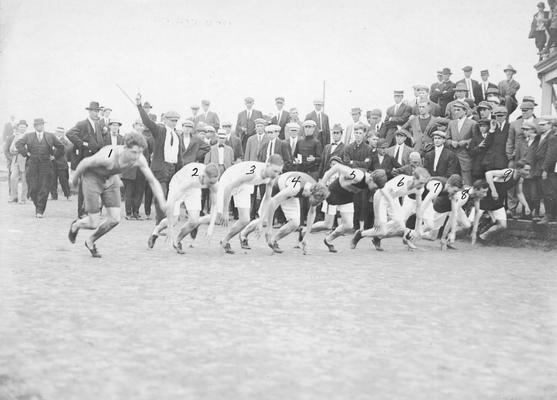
(459, 136)
(60, 167)
(194, 149)
(376, 126)
(422, 95)
(335, 148)
(292, 132)
(441, 161)
(208, 117)
(245, 125)
(397, 116)
(381, 160)
(474, 88)
(87, 138)
(41, 148)
(508, 89)
(167, 149)
(434, 91)
(282, 117)
(274, 145)
(445, 90)
(484, 85)
(400, 151)
(233, 141)
(322, 122)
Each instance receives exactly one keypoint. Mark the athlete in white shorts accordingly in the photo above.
(291, 187)
(238, 181)
(185, 187)
(390, 219)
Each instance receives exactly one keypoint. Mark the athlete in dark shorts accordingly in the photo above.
(500, 181)
(101, 186)
(341, 193)
(288, 188)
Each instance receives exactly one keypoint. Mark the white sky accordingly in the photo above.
(57, 55)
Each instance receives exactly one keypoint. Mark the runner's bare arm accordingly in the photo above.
(520, 196)
(489, 175)
(312, 213)
(453, 219)
(335, 169)
(419, 210)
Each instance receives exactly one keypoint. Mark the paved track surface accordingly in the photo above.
(477, 323)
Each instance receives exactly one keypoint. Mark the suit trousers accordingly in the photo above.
(39, 178)
(17, 174)
(163, 176)
(254, 201)
(532, 192)
(549, 188)
(60, 175)
(133, 189)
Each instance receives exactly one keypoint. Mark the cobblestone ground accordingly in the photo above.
(478, 323)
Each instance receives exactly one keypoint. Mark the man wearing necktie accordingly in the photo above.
(87, 138)
(40, 147)
(322, 131)
(485, 84)
(397, 115)
(245, 124)
(335, 148)
(508, 89)
(282, 116)
(400, 152)
(474, 88)
(167, 148)
(292, 132)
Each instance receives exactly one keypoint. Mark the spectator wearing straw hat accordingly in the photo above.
(508, 89)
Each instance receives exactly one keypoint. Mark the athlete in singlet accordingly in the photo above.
(390, 220)
(341, 194)
(287, 191)
(185, 187)
(101, 186)
(239, 181)
(437, 187)
(500, 181)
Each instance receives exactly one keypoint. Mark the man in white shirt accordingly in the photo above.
(400, 152)
(441, 161)
(292, 134)
(114, 128)
(474, 89)
(282, 117)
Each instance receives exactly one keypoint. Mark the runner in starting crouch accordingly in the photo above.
(288, 189)
(185, 186)
(239, 181)
(101, 186)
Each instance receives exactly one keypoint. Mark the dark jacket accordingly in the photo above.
(326, 156)
(550, 159)
(29, 146)
(388, 164)
(324, 134)
(496, 156)
(446, 166)
(85, 140)
(281, 148)
(159, 135)
(358, 156)
(196, 151)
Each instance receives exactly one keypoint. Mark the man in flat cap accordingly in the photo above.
(459, 135)
(40, 148)
(207, 116)
(397, 115)
(441, 161)
(484, 85)
(322, 130)
(233, 141)
(282, 116)
(400, 151)
(356, 114)
(195, 149)
(472, 85)
(87, 137)
(515, 137)
(461, 93)
(254, 145)
(167, 149)
(292, 131)
(307, 154)
(495, 155)
(508, 89)
(422, 94)
(445, 90)
(245, 124)
(434, 91)
(274, 145)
